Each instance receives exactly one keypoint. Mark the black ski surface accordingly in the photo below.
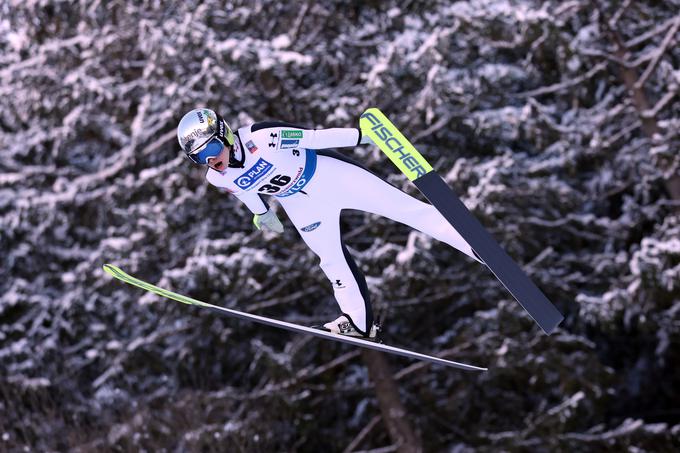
(497, 260)
(416, 168)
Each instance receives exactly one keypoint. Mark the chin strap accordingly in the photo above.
(233, 161)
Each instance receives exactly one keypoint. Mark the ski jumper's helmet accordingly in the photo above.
(202, 133)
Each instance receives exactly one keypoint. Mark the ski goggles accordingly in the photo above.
(212, 148)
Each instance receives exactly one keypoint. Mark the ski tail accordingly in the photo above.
(416, 168)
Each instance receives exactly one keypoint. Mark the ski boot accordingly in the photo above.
(344, 326)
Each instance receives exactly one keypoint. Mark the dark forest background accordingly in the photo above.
(556, 122)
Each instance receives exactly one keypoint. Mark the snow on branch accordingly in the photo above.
(659, 52)
(555, 88)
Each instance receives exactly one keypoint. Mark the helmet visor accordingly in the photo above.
(211, 149)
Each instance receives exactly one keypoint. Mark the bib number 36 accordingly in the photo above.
(275, 184)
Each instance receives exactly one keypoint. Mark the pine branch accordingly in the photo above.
(650, 34)
(654, 111)
(617, 15)
(362, 435)
(566, 84)
(658, 53)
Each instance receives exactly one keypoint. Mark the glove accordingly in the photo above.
(366, 140)
(268, 221)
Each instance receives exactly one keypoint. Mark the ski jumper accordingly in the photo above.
(313, 185)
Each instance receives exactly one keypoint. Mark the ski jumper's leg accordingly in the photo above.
(315, 212)
(367, 192)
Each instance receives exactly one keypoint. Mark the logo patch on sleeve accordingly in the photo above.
(251, 146)
(287, 144)
(291, 134)
(311, 227)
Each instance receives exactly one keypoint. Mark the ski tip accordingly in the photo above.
(110, 269)
(372, 110)
(462, 366)
(473, 368)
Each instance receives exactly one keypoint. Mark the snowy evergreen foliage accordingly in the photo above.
(558, 123)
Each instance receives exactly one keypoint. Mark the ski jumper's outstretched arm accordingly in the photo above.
(335, 137)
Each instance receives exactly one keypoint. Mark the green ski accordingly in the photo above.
(120, 275)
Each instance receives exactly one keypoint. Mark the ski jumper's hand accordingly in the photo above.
(268, 222)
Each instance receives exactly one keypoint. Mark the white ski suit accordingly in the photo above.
(313, 187)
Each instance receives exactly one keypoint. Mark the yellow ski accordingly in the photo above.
(405, 156)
